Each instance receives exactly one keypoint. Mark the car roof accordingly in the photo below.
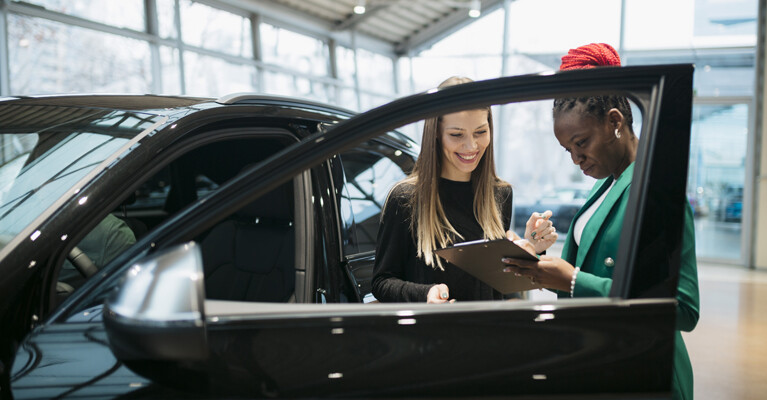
(116, 101)
(164, 104)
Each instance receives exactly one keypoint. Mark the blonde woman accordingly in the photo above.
(453, 195)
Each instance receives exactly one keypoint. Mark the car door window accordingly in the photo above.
(370, 171)
(192, 176)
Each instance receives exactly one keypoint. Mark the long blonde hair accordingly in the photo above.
(428, 221)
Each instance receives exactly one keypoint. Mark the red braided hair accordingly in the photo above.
(590, 56)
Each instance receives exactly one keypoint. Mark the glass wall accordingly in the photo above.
(50, 57)
(192, 49)
(121, 13)
(717, 176)
(213, 29)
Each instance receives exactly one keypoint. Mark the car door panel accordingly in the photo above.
(503, 348)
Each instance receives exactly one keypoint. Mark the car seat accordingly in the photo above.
(251, 255)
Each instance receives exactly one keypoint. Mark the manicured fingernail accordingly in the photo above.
(505, 259)
(507, 269)
(443, 295)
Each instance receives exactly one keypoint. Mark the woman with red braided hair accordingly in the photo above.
(597, 133)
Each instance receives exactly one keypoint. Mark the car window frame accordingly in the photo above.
(169, 154)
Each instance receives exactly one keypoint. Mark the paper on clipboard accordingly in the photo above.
(482, 260)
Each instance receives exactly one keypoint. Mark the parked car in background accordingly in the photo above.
(564, 203)
(732, 204)
(240, 235)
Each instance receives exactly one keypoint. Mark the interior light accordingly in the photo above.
(475, 7)
(360, 7)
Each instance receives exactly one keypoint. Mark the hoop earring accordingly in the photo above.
(617, 133)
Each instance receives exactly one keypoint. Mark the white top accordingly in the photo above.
(584, 218)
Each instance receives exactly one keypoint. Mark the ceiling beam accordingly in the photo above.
(442, 28)
(352, 20)
(290, 18)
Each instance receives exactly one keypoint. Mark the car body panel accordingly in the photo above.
(74, 359)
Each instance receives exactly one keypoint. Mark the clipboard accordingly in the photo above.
(482, 260)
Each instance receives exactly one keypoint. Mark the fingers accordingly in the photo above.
(438, 294)
(526, 272)
(538, 226)
(543, 233)
(442, 291)
(525, 244)
(519, 263)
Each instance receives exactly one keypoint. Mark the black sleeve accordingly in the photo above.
(394, 255)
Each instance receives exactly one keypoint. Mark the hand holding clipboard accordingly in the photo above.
(482, 259)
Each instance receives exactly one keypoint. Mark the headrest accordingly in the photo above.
(276, 205)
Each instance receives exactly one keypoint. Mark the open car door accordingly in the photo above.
(620, 346)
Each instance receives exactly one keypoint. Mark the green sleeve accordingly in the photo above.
(110, 238)
(590, 285)
(687, 295)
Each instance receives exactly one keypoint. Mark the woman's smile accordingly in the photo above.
(468, 158)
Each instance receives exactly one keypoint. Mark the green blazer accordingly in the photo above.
(597, 257)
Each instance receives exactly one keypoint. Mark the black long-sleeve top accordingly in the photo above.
(400, 276)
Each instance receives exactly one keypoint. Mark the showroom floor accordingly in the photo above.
(728, 348)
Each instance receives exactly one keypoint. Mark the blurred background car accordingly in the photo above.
(564, 203)
(732, 204)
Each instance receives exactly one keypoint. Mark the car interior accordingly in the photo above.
(248, 256)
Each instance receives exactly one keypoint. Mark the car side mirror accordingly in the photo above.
(155, 319)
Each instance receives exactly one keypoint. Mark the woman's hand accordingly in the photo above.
(523, 243)
(438, 294)
(549, 272)
(540, 231)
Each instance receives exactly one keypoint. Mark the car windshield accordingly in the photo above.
(46, 150)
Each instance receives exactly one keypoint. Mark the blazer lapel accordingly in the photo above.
(594, 225)
(570, 249)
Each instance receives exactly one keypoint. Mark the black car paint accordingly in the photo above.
(652, 356)
(199, 117)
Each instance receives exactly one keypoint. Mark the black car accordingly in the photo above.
(253, 223)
